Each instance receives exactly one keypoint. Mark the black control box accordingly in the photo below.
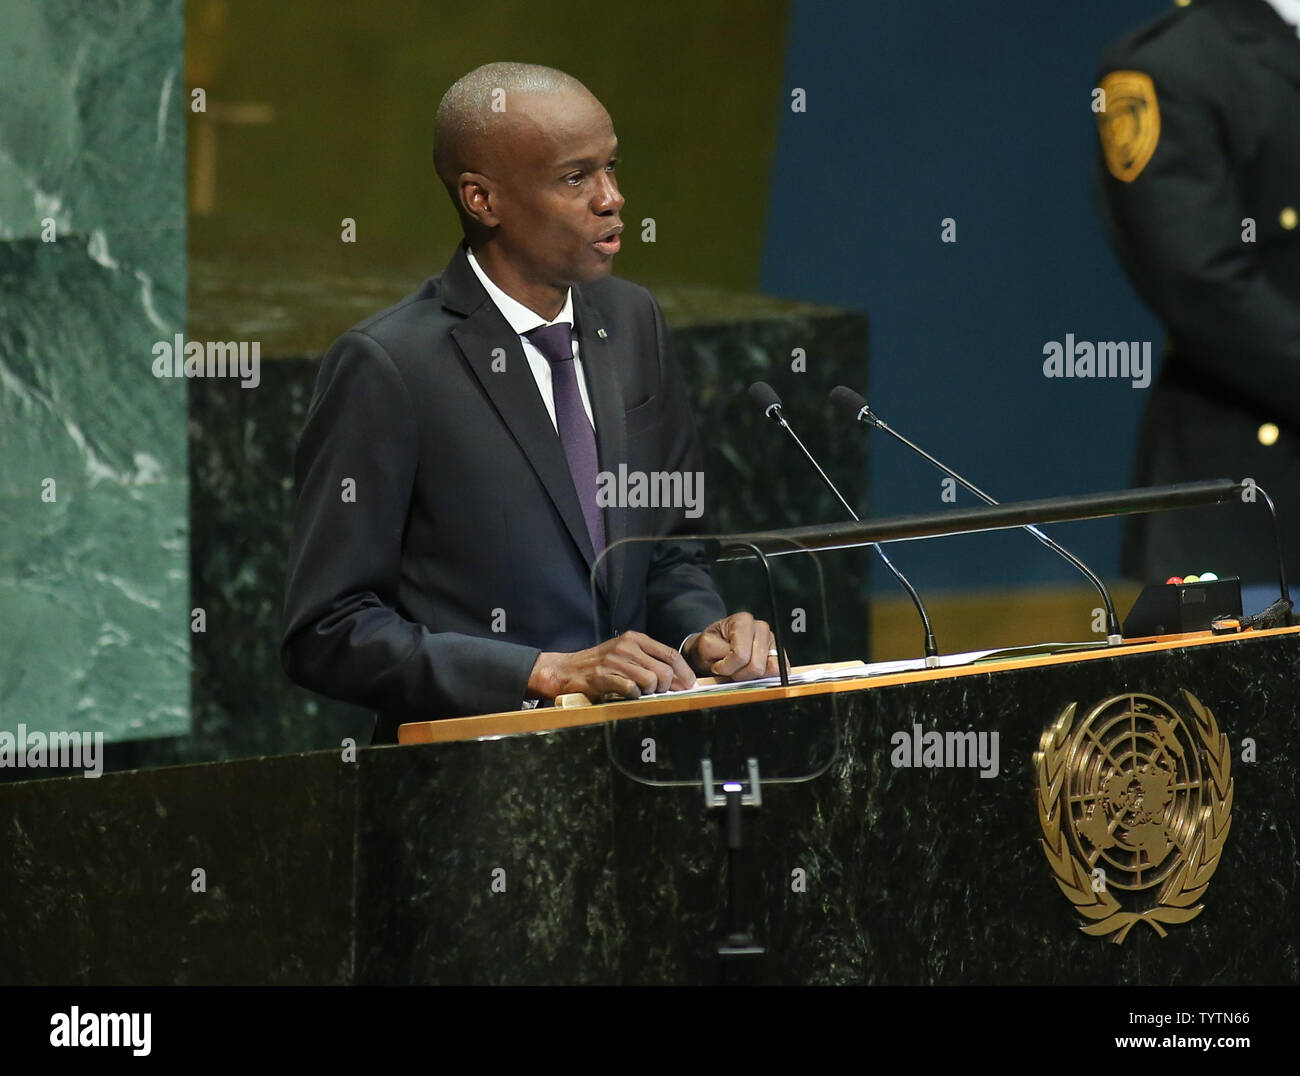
(1174, 608)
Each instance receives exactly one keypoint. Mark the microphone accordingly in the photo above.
(765, 396)
(856, 404)
(1279, 613)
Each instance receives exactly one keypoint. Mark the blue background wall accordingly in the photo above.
(979, 112)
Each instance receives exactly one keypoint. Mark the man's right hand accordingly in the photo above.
(631, 665)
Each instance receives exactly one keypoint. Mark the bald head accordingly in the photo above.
(527, 155)
(478, 113)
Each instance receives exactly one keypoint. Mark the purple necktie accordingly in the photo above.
(576, 434)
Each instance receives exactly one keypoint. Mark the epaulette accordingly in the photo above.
(1148, 32)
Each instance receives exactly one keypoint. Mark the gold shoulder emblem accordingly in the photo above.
(1129, 124)
(1136, 797)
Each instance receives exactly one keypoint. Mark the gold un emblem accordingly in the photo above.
(1135, 800)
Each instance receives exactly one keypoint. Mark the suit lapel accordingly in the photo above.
(1274, 39)
(1282, 52)
(600, 356)
(484, 338)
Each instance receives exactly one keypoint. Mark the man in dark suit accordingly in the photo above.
(1199, 178)
(454, 475)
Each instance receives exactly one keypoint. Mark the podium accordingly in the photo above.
(575, 846)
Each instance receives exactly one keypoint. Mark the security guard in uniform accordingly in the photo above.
(1199, 182)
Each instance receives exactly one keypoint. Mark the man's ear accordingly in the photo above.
(476, 198)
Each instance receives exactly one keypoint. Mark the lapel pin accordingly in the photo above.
(600, 333)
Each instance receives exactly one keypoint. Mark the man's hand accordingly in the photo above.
(737, 647)
(630, 665)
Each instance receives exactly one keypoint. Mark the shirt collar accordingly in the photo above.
(521, 319)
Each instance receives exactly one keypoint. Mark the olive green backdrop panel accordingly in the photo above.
(94, 551)
(316, 113)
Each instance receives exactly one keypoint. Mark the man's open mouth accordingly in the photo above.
(610, 242)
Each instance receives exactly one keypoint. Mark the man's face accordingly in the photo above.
(555, 197)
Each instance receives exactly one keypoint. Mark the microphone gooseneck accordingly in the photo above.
(1281, 609)
(766, 397)
(856, 404)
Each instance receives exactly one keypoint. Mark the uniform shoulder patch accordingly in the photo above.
(1130, 123)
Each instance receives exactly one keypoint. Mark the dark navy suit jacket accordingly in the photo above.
(438, 542)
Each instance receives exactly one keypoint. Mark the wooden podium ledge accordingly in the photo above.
(545, 719)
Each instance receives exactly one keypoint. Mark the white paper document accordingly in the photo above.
(817, 675)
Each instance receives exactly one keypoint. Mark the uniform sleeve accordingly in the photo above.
(681, 597)
(1178, 228)
(344, 638)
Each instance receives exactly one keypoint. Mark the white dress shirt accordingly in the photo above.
(523, 320)
(1290, 12)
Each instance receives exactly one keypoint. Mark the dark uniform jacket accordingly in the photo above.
(1199, 181)
(464, 553)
